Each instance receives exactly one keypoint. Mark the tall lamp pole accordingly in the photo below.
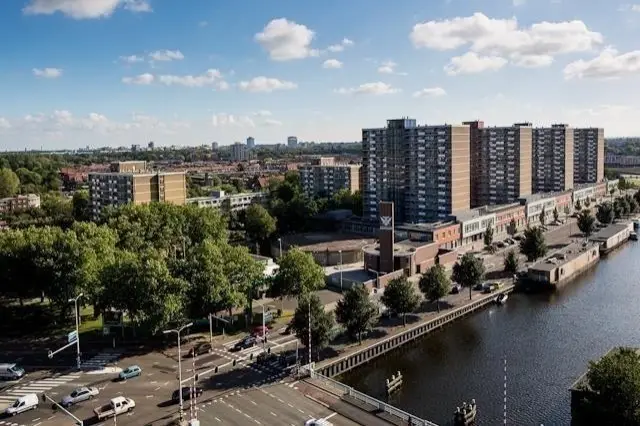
(75, 306)
(280, 242)
(178, 331)
(340, 252)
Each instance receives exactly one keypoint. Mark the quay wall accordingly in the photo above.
(336, 367)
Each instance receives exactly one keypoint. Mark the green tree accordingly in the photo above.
(586, 222)
(469, 271)
(488, 238)
(435, 284)
(605, 213)
(321, 322)
(259, 224)
(556, 214)
(400, 297)
(356, 312)
(511, 262)
(81, 206)
(587, 203)
(614, 381)
(298, 274)
(512, 228)
(543, 217)
(9, 183)
(533, 244)
(578, 205)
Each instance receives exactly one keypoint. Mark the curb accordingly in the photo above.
(324, 404)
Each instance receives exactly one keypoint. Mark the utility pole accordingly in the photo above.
(75, 305)
(309, 334)
(178, 331)
(340, 251)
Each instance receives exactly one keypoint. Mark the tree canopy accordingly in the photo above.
(356, 312)
(9, 183)
(511, 262)
(400, 297)
(586, 222)
(533, 244)
(468, 271)
(435, 284)
(605, 213)
(321, 322)
(258, 223)
(298, 274)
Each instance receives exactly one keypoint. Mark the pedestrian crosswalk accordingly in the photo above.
(100, 360)
(36, 386)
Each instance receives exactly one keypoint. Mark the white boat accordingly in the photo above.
(502, 298)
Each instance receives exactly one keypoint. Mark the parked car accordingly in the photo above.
(186, 394)
(245, 343)
(200, 349)
(11, 372)
(289, 328)
(478, 287)
(456, 288)
(116, 406)
(79, 395)
(23, 403)
(129, 372)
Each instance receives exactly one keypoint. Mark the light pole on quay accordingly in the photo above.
(340, 252)
(75, 306)
(178, 331)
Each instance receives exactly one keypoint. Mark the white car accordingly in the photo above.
(79, 395)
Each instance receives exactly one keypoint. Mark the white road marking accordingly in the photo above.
(273, 414)
(218, 419)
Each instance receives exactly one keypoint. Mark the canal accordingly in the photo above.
(547, 340)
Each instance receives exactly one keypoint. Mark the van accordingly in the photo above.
(23, 403)
(11, 372)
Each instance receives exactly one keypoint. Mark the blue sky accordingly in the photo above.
(117, 72)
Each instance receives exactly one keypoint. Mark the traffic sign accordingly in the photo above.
(72, 337)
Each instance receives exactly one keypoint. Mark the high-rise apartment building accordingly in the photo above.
(324, 177)
(128, 167)
(588, 155)
(292, 141)
(500, 163)
(251, 142)
(117, 189)
(423, 170)
(239, 152)
(552, 167)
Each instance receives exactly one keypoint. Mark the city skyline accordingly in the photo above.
(122, 72)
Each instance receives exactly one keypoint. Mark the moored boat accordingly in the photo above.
(502, 298)
(465, 415)
(633, 236)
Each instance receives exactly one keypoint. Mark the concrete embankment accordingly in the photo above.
(352, 359)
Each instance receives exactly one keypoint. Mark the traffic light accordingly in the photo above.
(268, 350)
(197, 376)
(251, 357)
(235, 361)
(216, 372)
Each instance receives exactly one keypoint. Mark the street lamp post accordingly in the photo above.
(340, 252)
(178, 331)
(280, 242)
(75, 305)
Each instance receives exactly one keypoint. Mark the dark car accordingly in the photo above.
(201, 349)
(186, 394)
(289, 328)
(455, 288)
(245, 343)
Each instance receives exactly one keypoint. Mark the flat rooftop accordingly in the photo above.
(544, 195)
(563, 256)
(608, 232)
(145, 173)
(402, 248)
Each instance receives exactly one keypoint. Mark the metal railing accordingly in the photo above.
(362, 397)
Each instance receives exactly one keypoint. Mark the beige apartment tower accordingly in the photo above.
(423, 170)
(552, 166)
(117, 189)
(128, 167)
(588, 155)
(324, 177)
(500, 163)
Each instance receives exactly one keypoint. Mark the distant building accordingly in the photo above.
(135, 147)
(239, 152)
(325, 177)
(292, 141)
(214, 146)
(552, 165)
(128, 167)
(251, 142)
(117, 189)
(588, 155)
(232, 202)
(19, 203)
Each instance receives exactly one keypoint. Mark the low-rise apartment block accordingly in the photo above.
(232, 202)
(423, 170)
(324, 177)
(19, 203)
(128, 167)
(500, 163)
(553, 152)
(118, 189)
(588, 157)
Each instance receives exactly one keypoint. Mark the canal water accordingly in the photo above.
(546, 339)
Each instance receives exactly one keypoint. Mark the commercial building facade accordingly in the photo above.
(588, 157)
(118, 189)
(19, 203)
(324, 177)
(423, 170)
(232, 202)
(553, 151)
(500, 163)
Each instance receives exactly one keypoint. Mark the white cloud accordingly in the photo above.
(262, 113)
(142, 79)
(471, 63)
(503, 38)
(377, 88)
(332, 64)
(430, 92)
(166, 55)
(4, 123)
(340, 46)
(84, 9)
(131, 59)
(266, 84)
(518, 3)
(532, 61)
(608, 65)
(211, 77)
(286, 40)
(272, 122)
(224, 120)
(389, 67)
(47, 72)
